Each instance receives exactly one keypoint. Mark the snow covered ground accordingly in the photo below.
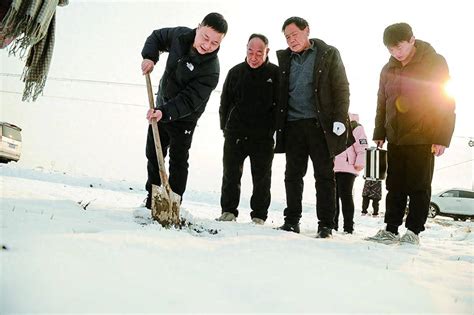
(83, 245)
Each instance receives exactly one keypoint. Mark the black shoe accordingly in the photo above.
(348, 230)
(290, 227)
(324, 232)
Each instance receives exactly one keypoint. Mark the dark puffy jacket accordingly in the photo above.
(4, 7)
(331, 91)
(248, 100)
(412, 106)
(189, 77)
(372, 189)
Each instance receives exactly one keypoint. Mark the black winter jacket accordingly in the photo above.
(412, 106)
(372, 189)
(331, 91)
(188, 79)
(248, 100)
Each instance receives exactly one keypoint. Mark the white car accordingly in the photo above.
(10, 142)
(454, 202)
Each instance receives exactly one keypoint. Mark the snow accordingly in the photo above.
(75, 239)
(111, 257)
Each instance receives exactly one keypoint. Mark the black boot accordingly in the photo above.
(324, 232)
(290, 227)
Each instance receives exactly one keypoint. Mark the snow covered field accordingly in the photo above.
(81, 245)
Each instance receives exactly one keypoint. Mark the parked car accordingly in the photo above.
(10, 142)
(454, 202)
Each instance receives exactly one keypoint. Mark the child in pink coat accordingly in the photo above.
(347, 166)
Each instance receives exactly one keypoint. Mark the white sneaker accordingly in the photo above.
(226, 216)
(384, 237)
(258, 221)
(410, 238)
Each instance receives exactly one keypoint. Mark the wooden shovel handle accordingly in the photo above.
(156, 137)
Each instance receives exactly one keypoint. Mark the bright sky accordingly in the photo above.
(354, 27)
(98, 45)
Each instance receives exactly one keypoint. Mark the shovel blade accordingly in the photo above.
(165, 206)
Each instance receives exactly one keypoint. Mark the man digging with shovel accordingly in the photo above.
(191, 74)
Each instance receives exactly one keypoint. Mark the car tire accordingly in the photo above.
(433, 210)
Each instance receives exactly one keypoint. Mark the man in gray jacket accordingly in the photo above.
(312, 121)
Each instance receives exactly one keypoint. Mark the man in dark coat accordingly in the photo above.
(416, 117)
(248, 103)
(191, 74)
(312, 120)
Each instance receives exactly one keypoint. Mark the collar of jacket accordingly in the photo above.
(186, 42)
(320, 45)
(422, 50)
(259, 68)
(312, 46)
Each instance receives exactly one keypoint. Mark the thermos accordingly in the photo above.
(375, 164)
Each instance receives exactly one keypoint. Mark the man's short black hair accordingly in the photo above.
(299, 22)
(262, 37)
(215, 21)
(397, 33)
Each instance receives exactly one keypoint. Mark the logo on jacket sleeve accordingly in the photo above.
(269, 80)
(190, 66)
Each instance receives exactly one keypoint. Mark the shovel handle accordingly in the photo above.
(156, 137)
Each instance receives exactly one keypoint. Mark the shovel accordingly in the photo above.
(164, 202)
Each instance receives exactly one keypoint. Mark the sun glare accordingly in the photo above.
(450, 88)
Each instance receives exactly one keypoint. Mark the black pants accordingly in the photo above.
(303, 139)
(365, 204)
(260, 152)
(409, 174)
(176, 138)
(344, 186)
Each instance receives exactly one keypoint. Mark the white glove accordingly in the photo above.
(338, 128)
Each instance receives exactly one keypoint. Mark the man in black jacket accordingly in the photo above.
(191, 74)
(247, 108)
(417, 118)
(312, 121)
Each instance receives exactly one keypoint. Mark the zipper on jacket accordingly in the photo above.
(228, 117)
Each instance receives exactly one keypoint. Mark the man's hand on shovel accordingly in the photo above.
(154, 114)
(165, 203)
(147, 66)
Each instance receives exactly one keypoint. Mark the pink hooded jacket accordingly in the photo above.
(355, 154)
